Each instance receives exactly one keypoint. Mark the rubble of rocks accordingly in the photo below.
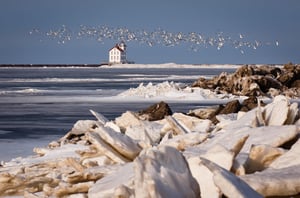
(247, 154)
(233, 106)
(252, 80)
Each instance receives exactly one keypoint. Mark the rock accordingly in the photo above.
(292, 92)
(266, 82)
(249, 103)
(289, 66)
(235, 106)
(267, 70)
(291, 74)
(243, 71)
(155, 112)
(203, 83)
(287, 78)
(163, 172)
(231, 107)
(255, 81)
(296, 84)
(249, 87)
(205, 113)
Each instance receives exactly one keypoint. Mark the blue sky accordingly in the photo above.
(260, 20)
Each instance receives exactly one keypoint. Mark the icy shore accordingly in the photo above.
(246, 148)
(248, 154)
(171, 65)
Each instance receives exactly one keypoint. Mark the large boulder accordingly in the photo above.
(231, 107)
(266, 82)
(250, 103)
(155, 112)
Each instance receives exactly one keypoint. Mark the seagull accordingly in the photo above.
(151, 38)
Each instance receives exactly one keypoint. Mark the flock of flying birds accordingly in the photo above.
(194, 40)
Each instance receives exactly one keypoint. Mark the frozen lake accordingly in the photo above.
(38, 105)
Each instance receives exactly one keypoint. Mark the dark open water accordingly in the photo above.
(38, 105)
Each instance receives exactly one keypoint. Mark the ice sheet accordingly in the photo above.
(171, 65)
(22, 147)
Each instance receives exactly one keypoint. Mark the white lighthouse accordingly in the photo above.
(117, 54)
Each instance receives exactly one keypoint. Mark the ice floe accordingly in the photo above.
(172, 91)
(255, 154)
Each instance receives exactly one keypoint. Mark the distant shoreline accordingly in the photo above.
(51, 65)
(163, 65)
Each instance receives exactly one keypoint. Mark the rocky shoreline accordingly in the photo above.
(251, 80)
(241, 149)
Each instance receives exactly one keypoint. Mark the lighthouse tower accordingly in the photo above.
(123, 46)
(117, 54)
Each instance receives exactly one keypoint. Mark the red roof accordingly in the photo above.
(118, 47)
